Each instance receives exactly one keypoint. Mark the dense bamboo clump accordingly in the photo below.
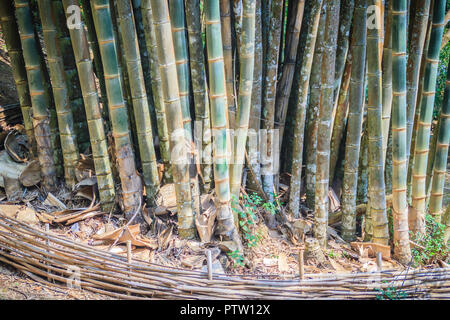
(321, 108)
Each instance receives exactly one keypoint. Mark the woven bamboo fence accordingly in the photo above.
(52, 259)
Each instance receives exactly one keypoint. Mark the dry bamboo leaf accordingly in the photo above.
(167, 197)
(17, 147)
(205, 224)
(164, 238)
(130, 233)
(372, 249)
(193, 262)
(270, 262)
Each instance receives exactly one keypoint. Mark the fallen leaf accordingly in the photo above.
(283, 263)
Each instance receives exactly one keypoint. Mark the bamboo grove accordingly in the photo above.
(241, 96)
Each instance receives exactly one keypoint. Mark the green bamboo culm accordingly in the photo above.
(60, 88)
(399, 159)
(131, 184)
(200, 90)
(303, 88)
(376, 186)
(218, 101)
(74, 89)
(246, 62)
(225, 22)
(324, 126)
(441, 154)
(386, 81)
(14, 48)
(416, 49)
(178, 23)
(157, 91)
(139, 100)
(177, 20)
(98, 66)
(93, 113)
(426, 114)
(178, 152)
(39, 98)
(354, 124)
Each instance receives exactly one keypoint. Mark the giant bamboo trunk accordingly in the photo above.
(426, 115)
(387, 81)
(60, 88)
(14, 48)
(157, 90)
(218, 99)
(303, 88)
(399, 159)
(39, 97)
(312, 112)
(269, 95)
(441, 154)
(139, 100)
(416, 47)
(324, 126)
(376, 185)
(131, 185)
(284, 88)
(246, 58)
(93, 113)
(178, 151)
(74, 88)
(354, 124)
(225, 20)
(254, 157)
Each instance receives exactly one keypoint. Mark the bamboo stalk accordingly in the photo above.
(93, 113)
(285, 85)
(218, 101)
(225, 23)
(157, 90)
(312, 113)
(416, 48)
(178, 152)
(441, 154)
(14, 48)
(426, 114)
(269, 95)
(354, 124)
(303, 88)
(39, 98)
(246, 58)
(60, 87)
(340, 117)
(200, 90)
(387, 81)
(376, 186)
(254, 161)
(139, 100)
(399, 170)
(324, 126)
